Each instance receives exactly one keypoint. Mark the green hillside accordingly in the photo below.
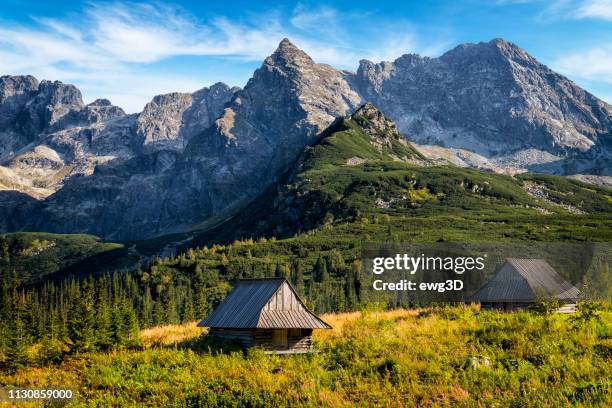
(363, 170)
(35, 256)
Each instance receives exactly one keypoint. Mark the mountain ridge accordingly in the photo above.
(188, 157)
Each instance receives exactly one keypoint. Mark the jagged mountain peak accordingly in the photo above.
(367, 108)
(100, 102)
(365, 135)
(288, 54)
(170, 120)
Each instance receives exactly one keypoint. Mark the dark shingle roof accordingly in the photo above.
(526, 280)
(249, 306)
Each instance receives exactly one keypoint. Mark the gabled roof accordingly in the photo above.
(526, 280)
(270, 303)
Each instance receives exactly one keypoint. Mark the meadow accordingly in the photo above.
(450, 356)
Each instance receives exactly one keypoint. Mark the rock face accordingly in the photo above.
(375, 124)
(491, 98)
(171, 120)
(70, 167)
(28, 109)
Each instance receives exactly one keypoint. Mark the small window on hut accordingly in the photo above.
(295, 333)
(279, 337)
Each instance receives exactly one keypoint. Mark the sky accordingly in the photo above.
(129, 52)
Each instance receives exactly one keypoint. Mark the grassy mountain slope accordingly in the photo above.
(363, 168)
(40, 256)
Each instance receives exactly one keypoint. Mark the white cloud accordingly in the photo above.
(308, 19)
(593, 64)
(600, 9)
(109, 49)
(577, 10)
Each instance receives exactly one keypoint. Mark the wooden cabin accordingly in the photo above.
(520, 283)
(265, 313)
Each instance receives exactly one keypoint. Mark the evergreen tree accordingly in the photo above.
(159, 315)
(320, 270)
(82, 318)
(103, 324)
(146, 308)
(171, 305)
(19, 340)
(118, 329)
(187, 308)
(131, 334)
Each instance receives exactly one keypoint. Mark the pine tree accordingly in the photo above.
(131, 334)
(82, 318)
(320, 270)
(187, 309)
(146, 308)
(103, 324)
(159, 314)
(298, 277)
(171, 305)
(19, 340)
(199, 291)
(118, 329)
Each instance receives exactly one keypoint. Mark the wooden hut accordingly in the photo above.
(522, 282)
(265, 313)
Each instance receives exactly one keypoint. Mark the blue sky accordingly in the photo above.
(130, 51)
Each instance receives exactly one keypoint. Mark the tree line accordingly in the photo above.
(42, 324)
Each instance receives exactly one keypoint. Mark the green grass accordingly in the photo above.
(456, 356)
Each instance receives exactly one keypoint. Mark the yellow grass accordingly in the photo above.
(170, 334)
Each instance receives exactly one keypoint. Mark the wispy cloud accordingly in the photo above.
(600, 9)
(577, 10)
(109, 49)
(593, 64)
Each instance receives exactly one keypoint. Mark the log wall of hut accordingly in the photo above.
(505, 305)
(242, 336)
(281, 341)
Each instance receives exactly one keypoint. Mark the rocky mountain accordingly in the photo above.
(497, 101)
(188, 160)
